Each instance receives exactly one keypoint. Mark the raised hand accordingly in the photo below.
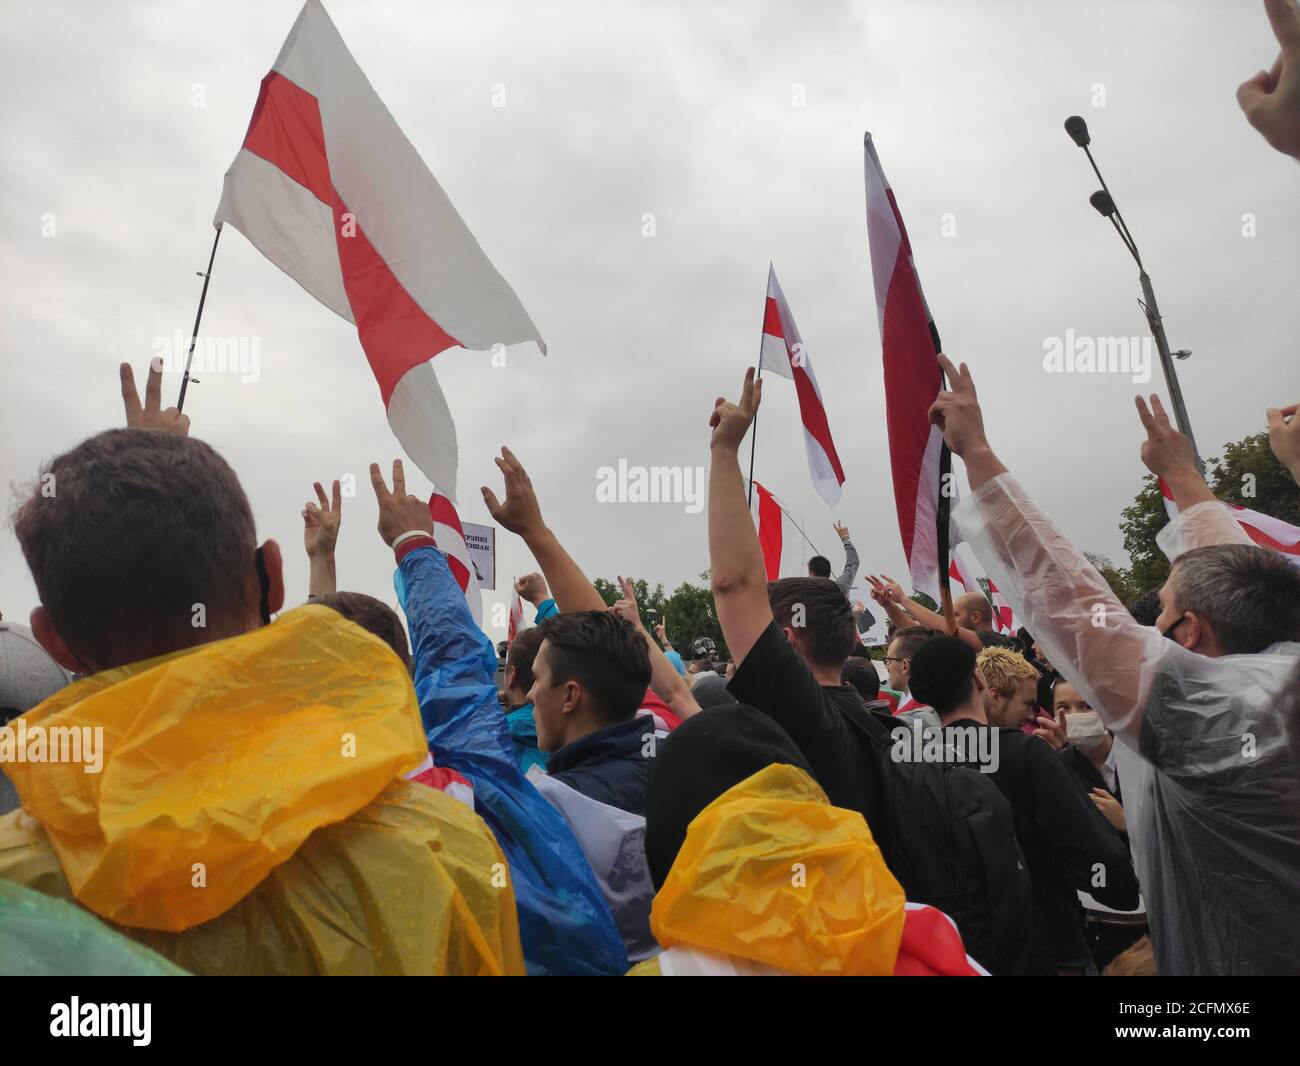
(320, 524)
(956, 411)
(398, 512)
(1052, 730)
(731, 421)
(1271, 99)
(1165, 451)
(626, 608)
(151, 415)
(842, 530)
(520, 513)
(1284, 437)
(532, 587)
(661, 631)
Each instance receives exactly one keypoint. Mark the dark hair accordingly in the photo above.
(943, 674)
(819, 566)
(523, 650)
(602, 653)
(861, 674)
(912, 638)
(1146, 608)
(827, 620)
(140, 527)
(1249, 595)
(372, 615)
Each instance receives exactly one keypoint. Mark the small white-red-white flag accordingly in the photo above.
(783, 353)
(516, 622)
(769, 517)
(965, 569)
(1264, 530)
(329, 189)
(450, 538)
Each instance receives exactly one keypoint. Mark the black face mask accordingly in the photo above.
(264, 583)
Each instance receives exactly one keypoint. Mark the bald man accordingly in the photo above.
(974, 612)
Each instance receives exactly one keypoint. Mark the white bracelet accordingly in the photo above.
(397, 541)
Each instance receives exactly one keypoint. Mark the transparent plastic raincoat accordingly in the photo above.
(1210, 788)
(565, 923)
(249, 815)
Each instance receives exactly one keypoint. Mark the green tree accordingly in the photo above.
(689, 610)
(1248, 474)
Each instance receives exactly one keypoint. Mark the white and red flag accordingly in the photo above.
(965, 569)
(783, 353)
(329, 189)
(450, 538)
(516, 622)
(910, 345)
(769, 517)
(1264, 530)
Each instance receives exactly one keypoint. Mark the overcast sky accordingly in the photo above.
(687, 112)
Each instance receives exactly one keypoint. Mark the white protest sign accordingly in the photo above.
(482, 544)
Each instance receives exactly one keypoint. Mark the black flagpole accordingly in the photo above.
(194, 333)
(753, 440)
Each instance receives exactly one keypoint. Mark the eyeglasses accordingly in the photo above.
(890, 659)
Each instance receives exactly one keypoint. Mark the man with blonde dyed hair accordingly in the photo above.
(1011, 687)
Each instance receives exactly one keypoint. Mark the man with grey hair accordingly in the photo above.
(1211, 789)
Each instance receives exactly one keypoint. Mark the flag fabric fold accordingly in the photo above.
(450, 539)
(768, 518)
(783, 353)
(329, 189)
(966, 571)
(919, 459)
(1264, 530)
(516, 622)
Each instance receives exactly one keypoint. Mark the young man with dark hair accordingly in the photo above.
(861, 674)
(520, 715)
(820, 566)
(898, 660)
(372, 615)
(591, 673)
(1068, 845)
(267, 759)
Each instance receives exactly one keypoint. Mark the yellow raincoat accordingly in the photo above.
(771, 874)
(250, 816)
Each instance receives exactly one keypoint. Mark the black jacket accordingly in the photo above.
(1084, 772)
(610, 765)
(1068, 843)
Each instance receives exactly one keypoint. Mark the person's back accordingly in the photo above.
(1067, 844)
(259, 816)
(245, 776)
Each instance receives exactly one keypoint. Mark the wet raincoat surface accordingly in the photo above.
(772, 879)
(1210, 786)
(41, 936)
(565, 923)
(250, 818)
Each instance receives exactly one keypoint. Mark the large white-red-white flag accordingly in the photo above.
(450, 538)
(965, 570)
(783, 353)
(1264, 530)
(329, 189)
(910, 343)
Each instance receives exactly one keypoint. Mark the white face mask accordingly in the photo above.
(1085, 729)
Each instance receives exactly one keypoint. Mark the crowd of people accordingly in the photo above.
(333, 788)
